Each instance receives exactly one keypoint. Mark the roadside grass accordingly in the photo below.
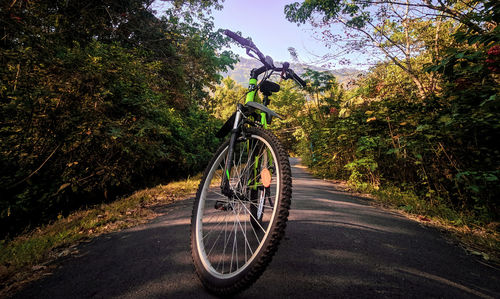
(32, 251)
(477, 238)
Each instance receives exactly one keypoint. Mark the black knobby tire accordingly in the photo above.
(208, 234)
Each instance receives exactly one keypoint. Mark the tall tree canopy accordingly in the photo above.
(97, 96)
(426, 118)
(399, 30)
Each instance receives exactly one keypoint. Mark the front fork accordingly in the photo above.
(225, 188)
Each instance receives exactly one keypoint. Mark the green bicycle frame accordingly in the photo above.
(251, 97)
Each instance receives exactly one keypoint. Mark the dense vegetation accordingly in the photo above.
(422, 126)
(98, 98)
(424, 122)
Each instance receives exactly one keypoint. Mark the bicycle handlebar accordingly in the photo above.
(296, 78)
(239, 39)
(250, 46)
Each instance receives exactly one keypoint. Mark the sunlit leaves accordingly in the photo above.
(440, 144)
(99, 98)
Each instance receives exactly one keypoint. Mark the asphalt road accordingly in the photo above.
(336, 245)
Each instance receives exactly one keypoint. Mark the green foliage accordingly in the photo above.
(288, 103)
(98, 99)
(225, 98)
(360, 14)
(439, 146)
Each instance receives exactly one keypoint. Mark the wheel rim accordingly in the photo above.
(229, 234)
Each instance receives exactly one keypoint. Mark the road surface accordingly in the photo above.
(336, 245)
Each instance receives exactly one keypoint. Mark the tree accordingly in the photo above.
(289, 102)
(99, 98)
(439, 146)
(225, 98)
(323, 90)
(400, 30)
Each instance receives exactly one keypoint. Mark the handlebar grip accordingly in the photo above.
(239, 39)
(297, 78)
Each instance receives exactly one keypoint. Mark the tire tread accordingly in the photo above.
(260, 264)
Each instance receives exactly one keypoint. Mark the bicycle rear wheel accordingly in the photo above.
(234, 238)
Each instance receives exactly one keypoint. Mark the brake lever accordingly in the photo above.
(250, 53)
(284, 70)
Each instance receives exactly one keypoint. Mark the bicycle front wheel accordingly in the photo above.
(233, 238)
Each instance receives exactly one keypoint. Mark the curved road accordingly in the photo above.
(336, 245)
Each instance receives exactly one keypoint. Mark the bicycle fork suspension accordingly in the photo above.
(225, 188)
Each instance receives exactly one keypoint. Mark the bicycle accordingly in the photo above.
(242, 203)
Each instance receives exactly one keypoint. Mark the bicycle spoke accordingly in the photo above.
(226, 241)
(234, 245)
(238, 215)
(244, 234)
(257, 221)
(234, 227)
(215, 242)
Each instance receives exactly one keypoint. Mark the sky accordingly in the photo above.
(265, 22)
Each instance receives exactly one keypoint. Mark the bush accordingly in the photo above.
(93, 111)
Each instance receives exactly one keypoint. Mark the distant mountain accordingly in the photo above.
(241, 71)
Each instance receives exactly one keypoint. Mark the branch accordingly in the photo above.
(391, 57)
(386, 37)
(29, 176)
(395, 11)
(407, 34)
(442, 8)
